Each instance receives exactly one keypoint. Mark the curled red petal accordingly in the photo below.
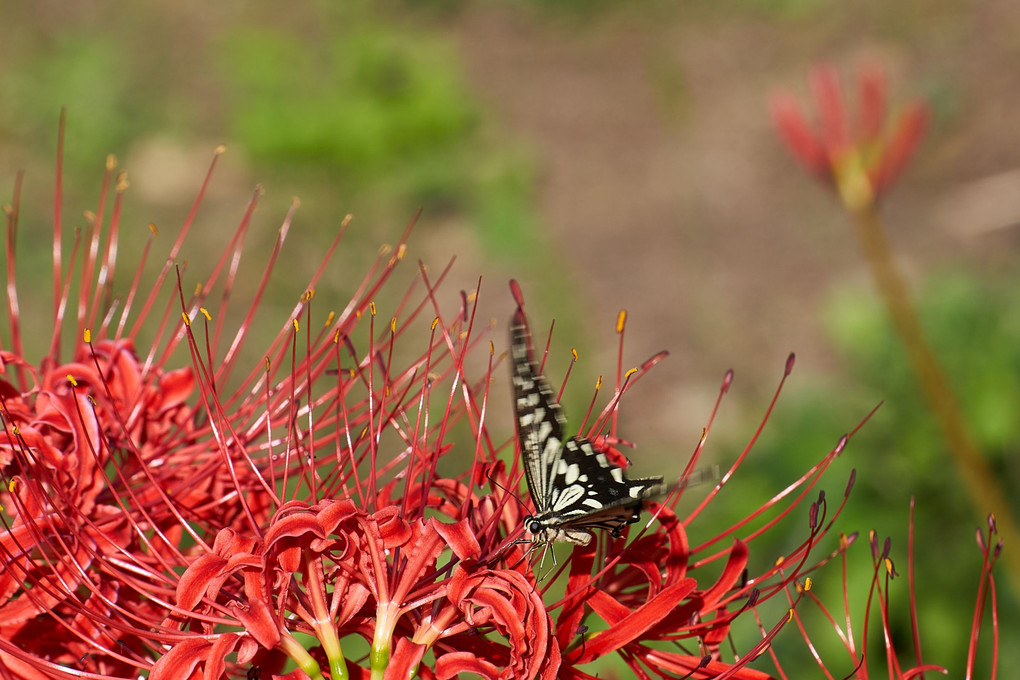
(731, 574)
(176, 387)
(636, 623)
(451, 664)
(460, 537)
(258, 621)
(510, 602)
(406, 656)
(198, 579)
(392, 527)
(183, 661)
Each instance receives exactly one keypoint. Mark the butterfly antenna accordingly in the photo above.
(507, 492)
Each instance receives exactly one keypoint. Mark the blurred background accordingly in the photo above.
(609, 156)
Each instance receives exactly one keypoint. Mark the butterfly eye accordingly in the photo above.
(534, 526)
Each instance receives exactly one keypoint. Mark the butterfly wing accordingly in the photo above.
(574, 487)
(591, 492)
(540, 420)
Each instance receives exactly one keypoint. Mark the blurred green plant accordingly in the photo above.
(383, 111)
(900, 452)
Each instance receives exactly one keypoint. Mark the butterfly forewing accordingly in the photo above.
(574, 487)
(540, 420)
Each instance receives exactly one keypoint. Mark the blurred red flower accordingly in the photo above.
(858, 154)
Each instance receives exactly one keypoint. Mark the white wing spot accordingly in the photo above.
(571, 473)
(568, 497)
(545, 430)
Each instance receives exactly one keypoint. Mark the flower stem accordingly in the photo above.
(985, 494)
(385, 621)
(304, 660)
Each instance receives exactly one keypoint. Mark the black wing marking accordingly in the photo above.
(574, 487)
(586, 482)
(540, 420)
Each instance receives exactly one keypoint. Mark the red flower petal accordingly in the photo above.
(451, 664)
(460, 536)
(910, 129)
(629, 628)
(829, 98)
(871, 92)
(799, 137)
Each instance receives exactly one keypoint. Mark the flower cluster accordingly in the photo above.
(347, 494)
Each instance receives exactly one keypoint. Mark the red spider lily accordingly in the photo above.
(193, 523)
(878, 601)
(860, 155)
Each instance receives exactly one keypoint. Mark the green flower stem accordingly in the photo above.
(385, 622)
(985, 493)
(303, 659)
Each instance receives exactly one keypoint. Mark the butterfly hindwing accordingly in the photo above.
(574, 487)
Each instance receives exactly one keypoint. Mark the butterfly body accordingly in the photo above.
(574, 487)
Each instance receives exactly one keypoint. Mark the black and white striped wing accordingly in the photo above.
(574, 487)
(540, 420)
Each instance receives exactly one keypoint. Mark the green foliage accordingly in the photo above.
(74, 73)
(975, 330)
(900, 452)
(365, 103)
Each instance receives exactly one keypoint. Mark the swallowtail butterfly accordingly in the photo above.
(574, 487)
